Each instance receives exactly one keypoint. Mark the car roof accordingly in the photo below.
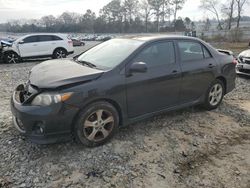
(38, 34)
(147, 38)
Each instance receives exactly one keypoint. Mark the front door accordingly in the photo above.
(159, 87)
(29, 47)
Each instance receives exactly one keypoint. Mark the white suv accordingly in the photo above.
(38, 46)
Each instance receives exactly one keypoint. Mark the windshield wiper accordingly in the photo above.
(91, 65)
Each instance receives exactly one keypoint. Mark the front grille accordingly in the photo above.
(247, 61)
(245, 71)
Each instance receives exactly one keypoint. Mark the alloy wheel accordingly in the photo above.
(60, 54)
(12, 58)
(215, 94)
(98, 125)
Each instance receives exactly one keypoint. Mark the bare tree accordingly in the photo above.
(228, 9)
(177, 5)
(240, 5)
(145, 12)
(130, 7)
(212, 6)
(156, 6)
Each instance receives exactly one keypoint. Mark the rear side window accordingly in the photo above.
(157, 54)
(190, 51)
(30, 39)
(45, 38)
(56, 38)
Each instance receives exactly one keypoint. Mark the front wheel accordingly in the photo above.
(11, 57)
(214, 95)
(96, 124)
(59, 53)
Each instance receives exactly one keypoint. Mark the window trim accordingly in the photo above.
(204, 47)
(51, 36)
(193, 41)
(36, 36)
(153, 43)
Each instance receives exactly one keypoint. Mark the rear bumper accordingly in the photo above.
(43, 125)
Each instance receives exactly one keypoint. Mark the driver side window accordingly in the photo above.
(157, 54)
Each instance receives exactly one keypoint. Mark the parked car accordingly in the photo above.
(243, 66)
(77, 42)
(38, 45)
(119, 82)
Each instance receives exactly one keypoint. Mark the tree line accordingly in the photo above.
(131, 16)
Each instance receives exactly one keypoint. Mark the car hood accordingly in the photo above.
(57, 73)
(245, 53)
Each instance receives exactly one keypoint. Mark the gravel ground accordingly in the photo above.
(186, 148)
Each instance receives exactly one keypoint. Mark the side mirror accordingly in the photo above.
(21, 42)
(139, 67)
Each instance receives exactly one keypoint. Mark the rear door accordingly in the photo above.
(198, 69)
(159, 87)
(29, 47)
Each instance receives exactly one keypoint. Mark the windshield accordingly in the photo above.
(111, 53)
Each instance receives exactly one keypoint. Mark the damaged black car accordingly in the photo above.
(116, 83)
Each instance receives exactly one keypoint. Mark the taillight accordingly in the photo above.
(235, 62)
(70, 42)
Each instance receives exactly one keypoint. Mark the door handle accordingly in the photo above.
(211, 66)
(34, 44)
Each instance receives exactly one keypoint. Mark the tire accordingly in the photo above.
(59, 53)
(11, 58)
(214, 95)
(90, 128)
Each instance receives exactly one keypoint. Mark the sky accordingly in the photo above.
(34, 9)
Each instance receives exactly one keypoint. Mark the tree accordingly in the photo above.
(156, 6)
(207, 25)
(48, 21)
(179, 25)
(145, 12)
(187, 21)
(130, 7)
(88, 20)
(228, 9)
(212, 6)
(113, 13)
(177, 5)
(240, 5)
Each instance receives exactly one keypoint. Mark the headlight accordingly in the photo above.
(46, 99)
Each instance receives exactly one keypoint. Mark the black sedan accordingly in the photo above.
(119, 82)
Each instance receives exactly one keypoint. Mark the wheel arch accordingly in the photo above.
(8, 51)
(60, 48)
(224, 81)
(110, 101)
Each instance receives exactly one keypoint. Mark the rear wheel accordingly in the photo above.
(96, 124)
(214, 95)
(11, 57)
(60, 53)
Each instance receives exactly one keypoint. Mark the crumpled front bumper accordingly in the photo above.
(43, 125)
